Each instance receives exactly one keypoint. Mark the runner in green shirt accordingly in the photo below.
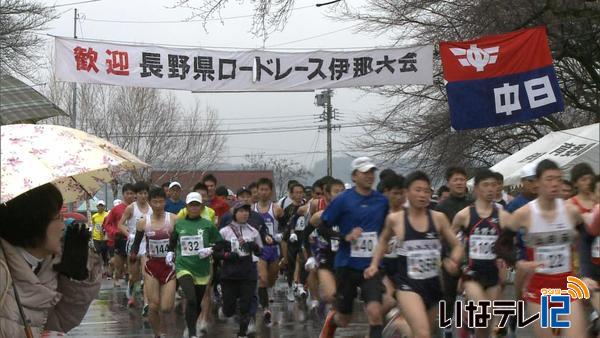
(192, 240)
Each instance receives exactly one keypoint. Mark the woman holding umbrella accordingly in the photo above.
(48, 277)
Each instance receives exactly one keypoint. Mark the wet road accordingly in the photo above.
(109, 316)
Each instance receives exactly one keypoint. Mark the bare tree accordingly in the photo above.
(269, 15)
(20, 40)
(147, 122)
(283, 169)
(417, 129)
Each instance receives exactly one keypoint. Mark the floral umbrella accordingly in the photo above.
(77, 163)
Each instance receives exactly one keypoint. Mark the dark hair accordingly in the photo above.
(141, 186)
(221, 191)
(325, 179)
(454, 171)
(296, 185)
(264, 181)
(317, 184)
(252, 186)
(545, 165)
(442, 189)
(484, 174)
(291, 184)
(157, 192)
(127, 187)
(579, 170)
(594, 182)
(385, 173)
(200, 186)
(416, 176)
(392, 182)
(498, 176)
(333, 183)
(567, 182)
(26, 217)
(165, 185)
(209, 177)
(233, 216)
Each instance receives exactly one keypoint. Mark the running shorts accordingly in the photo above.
(159, 269)
(348, 280)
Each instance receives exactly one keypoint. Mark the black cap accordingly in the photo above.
(243, 190)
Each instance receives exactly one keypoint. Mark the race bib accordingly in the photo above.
(364, 245)
(191, 245)
(596, 247)
(158, 247)
(335, 244)
(99, 227)
(482, 247)
(236, 247)
(555, 258)
(392, 251)
(300, 224)
(422, 264)
(271, 227)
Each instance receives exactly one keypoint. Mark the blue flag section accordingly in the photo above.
(500, 79)
(504, 100)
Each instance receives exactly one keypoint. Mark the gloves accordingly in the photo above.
(293, 238)
(203, 253)
(170, 258)
(278, 237)
(250, 247)
(311, 264)
(73, 263)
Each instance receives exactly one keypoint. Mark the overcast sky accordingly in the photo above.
(241, 110)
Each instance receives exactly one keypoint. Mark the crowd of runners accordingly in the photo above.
(404, 252)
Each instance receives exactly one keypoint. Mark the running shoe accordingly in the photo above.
(329, 327)
(267, 317)
(302, 292)
(203, 327)
(252, 326)
(290, 294)
(145, 310)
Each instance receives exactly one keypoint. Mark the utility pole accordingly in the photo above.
(324, 100)
(74, 84)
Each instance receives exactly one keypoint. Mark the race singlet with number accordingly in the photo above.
(158, 247)
(191, 245)
(364, 245)
(482, 247)
(596, 250)
(423, 264)
(555, 258)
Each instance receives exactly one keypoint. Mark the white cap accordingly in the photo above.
(174, 184)
(230, 192)
(117, 202)
(193, 197)
(528, 170)
(363, 164)
(101, 202)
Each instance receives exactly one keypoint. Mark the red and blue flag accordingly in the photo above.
(500, 79)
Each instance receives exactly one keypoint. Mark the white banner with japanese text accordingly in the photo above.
(207, 70)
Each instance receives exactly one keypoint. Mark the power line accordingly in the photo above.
(246, 131)
(314, 36)
(295, 153)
